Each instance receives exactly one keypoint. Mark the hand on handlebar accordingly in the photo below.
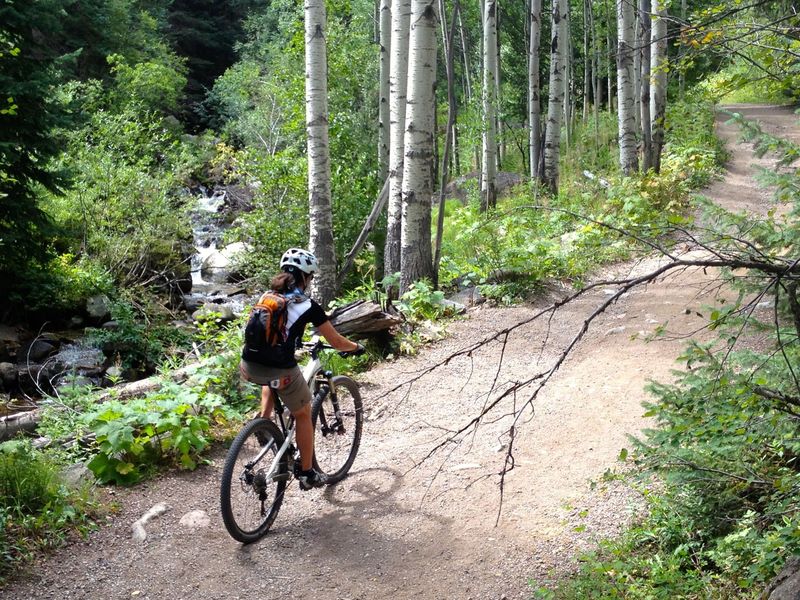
(357, 352)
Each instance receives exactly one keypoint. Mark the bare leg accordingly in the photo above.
(304, 435)
(267, 402)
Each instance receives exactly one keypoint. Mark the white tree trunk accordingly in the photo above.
(628, 158)
(637, 68)
(658, 79)
(644, 43)
(489, 160)
(398, 80)
(534, 101)
(385, 24)
(319, 170)
(416, 260)
(558, 47)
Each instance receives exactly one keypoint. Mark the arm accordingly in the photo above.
(335, 339)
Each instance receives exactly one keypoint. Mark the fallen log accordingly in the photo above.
(363, 317)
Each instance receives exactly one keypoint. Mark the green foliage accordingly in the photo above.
(170, 425)
(421, 302)
(37, 510)
(135, 343)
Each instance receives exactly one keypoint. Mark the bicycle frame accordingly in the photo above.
(310, 371)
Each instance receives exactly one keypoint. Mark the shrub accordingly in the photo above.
(37, 509)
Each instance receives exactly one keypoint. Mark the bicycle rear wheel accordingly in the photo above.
(338, 419)
(249, 498)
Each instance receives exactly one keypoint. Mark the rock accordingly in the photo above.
(8, 374)
(192, 302)
(224, 313)
(786, 585)
(38, 350)
(218, 266)
(98, 308)
(138, 531)
(9, 343)
(615, 330)
(453, 308)
(195, 519)
(75, 322)
(77, 475)
(111, 325)
(470, 296)
(114, 372)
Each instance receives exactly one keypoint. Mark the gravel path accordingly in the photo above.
(397, 528)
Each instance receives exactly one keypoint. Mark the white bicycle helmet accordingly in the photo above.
(300, 259)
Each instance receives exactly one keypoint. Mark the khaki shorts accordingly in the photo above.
(290, 384)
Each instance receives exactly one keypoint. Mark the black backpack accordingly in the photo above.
(265, 335)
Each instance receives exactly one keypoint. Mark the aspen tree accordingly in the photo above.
(319, 169)
(416, 261)
(489, 159)
(398, 75)
(628, 158)
(534, 101)
(558, 50)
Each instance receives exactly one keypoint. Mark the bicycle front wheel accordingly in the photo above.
(338, 419)
(250, 497)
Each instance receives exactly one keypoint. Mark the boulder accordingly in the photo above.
(9, 343)
(38, 350)
(470, 296)
(98, 308)
(786, 585)
(8, 375)
(218, 265)
(224, 313)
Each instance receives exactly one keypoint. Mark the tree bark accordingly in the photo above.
(319, 170)
(451, 120)
(534, 100)
(644, 44)
(637, 68)
(489, 158)
(416, 261)
(658, 79)
(558, 48)
(398, 80)
(628, 158)
(587, 64)
(385, 20)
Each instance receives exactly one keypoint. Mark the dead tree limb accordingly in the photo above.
(369, 224)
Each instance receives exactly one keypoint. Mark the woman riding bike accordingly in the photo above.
(297, 269)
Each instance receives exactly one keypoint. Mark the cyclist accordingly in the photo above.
(297, 269)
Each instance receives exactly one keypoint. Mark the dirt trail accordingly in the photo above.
(393, 531)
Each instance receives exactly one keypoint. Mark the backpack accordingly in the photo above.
(265, 335)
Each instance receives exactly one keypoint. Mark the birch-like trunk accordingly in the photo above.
(611, 56)
(489, 159)
(558, 50)
(637, 68)
(398, 80)
(416, 261)
(534, 101)
(658, 79)
(319, 169)
(628, 158)
(644, 44)
(385, 26)
(587, 63)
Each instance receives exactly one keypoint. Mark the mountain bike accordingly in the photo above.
(261, 460)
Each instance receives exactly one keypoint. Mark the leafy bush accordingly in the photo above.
(170, 425)
(37, 509)
(136, 343)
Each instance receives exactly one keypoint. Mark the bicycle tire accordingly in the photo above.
(249, 502)
(337, 434)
